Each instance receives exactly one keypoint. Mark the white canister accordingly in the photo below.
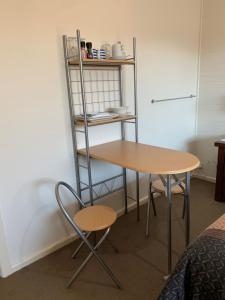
(117, 52)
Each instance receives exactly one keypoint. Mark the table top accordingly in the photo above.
(144, 158)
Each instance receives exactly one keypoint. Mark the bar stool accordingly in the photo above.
(86, 221)
(159, 186)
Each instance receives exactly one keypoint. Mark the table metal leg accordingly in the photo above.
(148, 205)
(169, 198)
(187, 207)
(125, 188)
(137, 196)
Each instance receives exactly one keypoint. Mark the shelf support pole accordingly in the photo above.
(71, 109)
(136, 123)
(123, 136)
(85, 119)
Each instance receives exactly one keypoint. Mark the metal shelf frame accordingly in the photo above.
(112, 96)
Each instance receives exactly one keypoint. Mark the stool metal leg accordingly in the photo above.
(187, 207)
(183, 212)
(153, 203)
(79, 269)
(183, 193)
(100, 260)
(80, 246)
(169, 198)
(148, 213)
(137, 196)
(87, 258)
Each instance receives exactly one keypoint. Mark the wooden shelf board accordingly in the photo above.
(106, 121)
(103, 62)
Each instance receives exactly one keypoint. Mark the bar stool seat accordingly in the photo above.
(95, 218)
(159, 187)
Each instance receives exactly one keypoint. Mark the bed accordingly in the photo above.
(200, 273)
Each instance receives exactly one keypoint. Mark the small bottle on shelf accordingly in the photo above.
(83, 50)
(89, 50)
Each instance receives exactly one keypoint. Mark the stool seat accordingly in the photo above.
(95, 218)
(159, 187)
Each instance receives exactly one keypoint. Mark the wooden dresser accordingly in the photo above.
(220, 174)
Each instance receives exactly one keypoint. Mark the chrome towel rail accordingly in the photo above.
(171, 99)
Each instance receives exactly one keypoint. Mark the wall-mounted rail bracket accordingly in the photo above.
(172, 99)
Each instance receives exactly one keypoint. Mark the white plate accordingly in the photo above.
(118, 110)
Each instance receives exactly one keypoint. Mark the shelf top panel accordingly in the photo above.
(103, 62)
(106, 121)
(144, 158)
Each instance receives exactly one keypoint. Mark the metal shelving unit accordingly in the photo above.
(95, 85)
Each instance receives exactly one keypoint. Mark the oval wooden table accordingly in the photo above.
(152, 160)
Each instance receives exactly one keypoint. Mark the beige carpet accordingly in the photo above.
(140, 264)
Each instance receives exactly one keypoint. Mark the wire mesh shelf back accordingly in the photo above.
(101, 87)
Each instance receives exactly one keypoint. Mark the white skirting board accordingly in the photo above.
(59, 244)
(205, 178)
(4, 259)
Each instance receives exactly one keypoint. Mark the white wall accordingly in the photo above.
(36, 148)
(211, 117)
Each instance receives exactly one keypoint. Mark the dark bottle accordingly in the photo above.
(83, 50)
(89, 50)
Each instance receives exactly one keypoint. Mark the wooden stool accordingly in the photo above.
(87, 220)
(157, 186)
